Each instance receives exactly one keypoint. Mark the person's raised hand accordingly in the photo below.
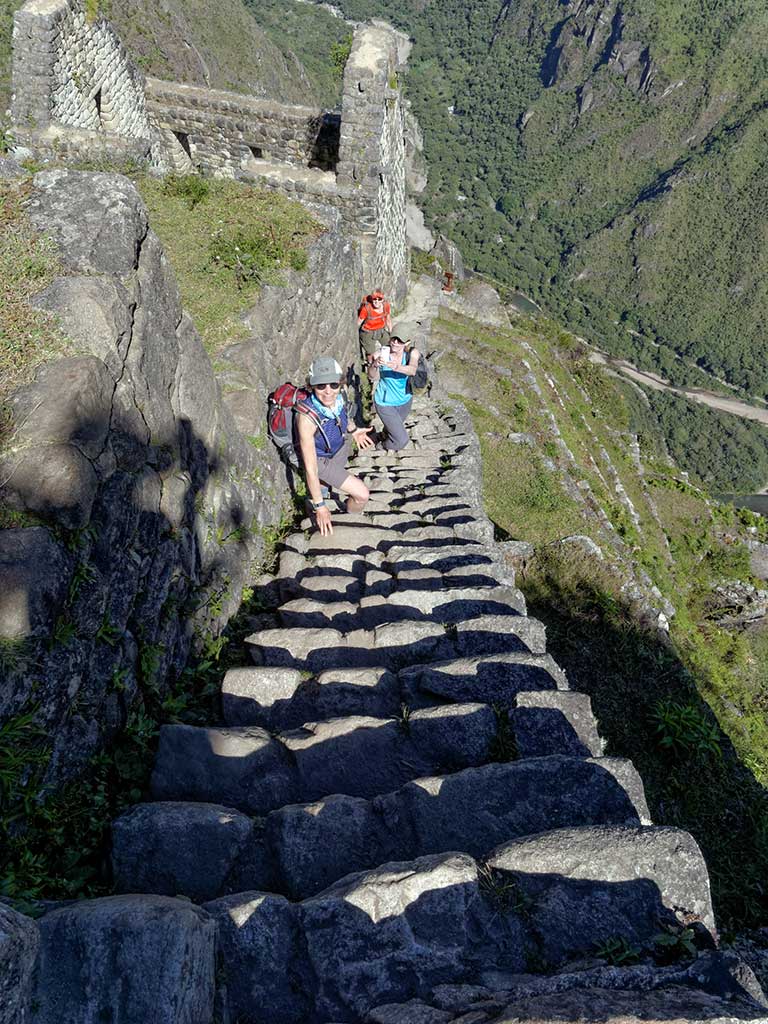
(324, 524)
(362, 440)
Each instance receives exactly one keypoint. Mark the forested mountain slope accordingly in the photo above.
(608, 156)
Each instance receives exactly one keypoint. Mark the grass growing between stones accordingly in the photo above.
(690, 711)
(224, 242)
(28, 263)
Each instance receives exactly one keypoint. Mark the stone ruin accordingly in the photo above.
(78, 96)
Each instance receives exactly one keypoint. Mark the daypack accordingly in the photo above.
(418, 383)
(284, 403)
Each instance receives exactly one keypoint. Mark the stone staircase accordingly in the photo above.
(406, 816)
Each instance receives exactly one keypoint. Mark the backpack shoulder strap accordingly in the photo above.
(309, 412)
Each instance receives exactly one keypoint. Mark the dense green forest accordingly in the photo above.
(610, 160)
(722, 452)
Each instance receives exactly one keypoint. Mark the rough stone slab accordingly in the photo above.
(673, 1005)
(307, 613)
(19, 943)
(553, 722)
(412, 1012)
(490, 679)
(314, 845)
(360, 538)
(453, 736)
(347, 561)
(332, 694)
(237, 767)
(267, 974)
(556, 870)
(456, 604)
(401, 557)
(374, 692)
(361, 756)
(97, 220)
(143, 958)
(303, 649)
(492, 634)
(472, 809)
(357, 756)
(398, 644)
(379, 937)
(254, 696)
(35, 570)
(177, 848)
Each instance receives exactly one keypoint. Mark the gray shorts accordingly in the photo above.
(333, 471)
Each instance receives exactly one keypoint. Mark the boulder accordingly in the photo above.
(19, 942)
(265, 966)
(97, 220)
(138, 958)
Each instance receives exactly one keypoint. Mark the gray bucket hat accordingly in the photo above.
(406, 330)
(324, 370)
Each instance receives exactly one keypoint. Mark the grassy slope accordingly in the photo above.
(239, 214)
(696, 729)
(28, 263)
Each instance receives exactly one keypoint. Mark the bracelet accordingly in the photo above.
(317, 504)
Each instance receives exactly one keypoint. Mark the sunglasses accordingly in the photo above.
(333, 386)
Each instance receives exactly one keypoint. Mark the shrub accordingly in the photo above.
(190, 187)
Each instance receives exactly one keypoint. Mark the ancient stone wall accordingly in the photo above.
(74, 72)
(224, 132)
(372, 155)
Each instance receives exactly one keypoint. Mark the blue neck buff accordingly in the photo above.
(325, 412)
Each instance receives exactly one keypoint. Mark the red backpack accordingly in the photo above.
(284, 403)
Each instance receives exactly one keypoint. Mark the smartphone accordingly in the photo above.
(384, 354)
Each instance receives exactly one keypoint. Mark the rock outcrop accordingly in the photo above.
(146, 504)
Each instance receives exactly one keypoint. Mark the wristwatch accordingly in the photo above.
(317, 504)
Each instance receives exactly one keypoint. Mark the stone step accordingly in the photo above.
(407, 928)
(491, 679)
(245, 768)
(715, 988)
(284, 698)
(473, 811)
(427, 578)
(125, 958)
(404, 557)
(204, 849)
(419, 605)
(395, 645)
(553, 722)
(300, 848)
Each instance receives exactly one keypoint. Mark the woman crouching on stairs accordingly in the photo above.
(324, 431)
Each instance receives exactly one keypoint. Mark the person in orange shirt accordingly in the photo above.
(374, 322)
